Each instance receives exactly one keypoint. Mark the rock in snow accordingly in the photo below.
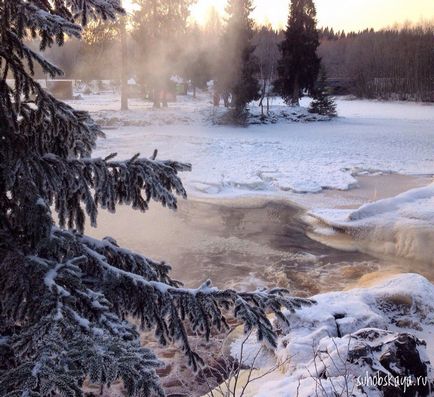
(376, 341)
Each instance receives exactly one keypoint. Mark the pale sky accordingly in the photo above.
(339, 14)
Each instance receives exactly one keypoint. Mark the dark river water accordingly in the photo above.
(243, 243)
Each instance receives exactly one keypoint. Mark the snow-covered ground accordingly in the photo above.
(369, 137)
(335, 346)
(288, 158)
(402, 226)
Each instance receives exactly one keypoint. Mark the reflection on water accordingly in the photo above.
(244, 243)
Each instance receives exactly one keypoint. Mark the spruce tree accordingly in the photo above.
(237, 77)
(322, 103)
(197, 68)
(66, 300)
(299, 64)
(159, 31)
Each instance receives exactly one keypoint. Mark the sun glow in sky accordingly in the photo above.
(339, 14)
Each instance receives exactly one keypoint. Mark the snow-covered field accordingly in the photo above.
(288, 158)
(369, 137)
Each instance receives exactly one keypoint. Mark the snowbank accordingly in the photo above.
(348, 337)
(401, 226)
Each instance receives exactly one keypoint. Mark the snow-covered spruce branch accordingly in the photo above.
(55, 19)
(45, 19)
(51, 21)
(44, 123)
(26, 108)
(62, 331)
(78, 299)
(202, 307)
(67, 357)
(126, 259)
(66, 183)
(24, 56)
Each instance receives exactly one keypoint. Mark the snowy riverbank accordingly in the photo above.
(347, 339)
(374, 150)
(401, 226)
(369, 137)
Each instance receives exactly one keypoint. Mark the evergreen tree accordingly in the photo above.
(322, 103)
(299, 64)
(66, 299)
(237, 77)
(159, 29)
(197, 60)
(97, 40)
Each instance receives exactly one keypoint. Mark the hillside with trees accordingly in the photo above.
(393, 63)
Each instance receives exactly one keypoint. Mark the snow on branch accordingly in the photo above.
(46, 20)
(87, 288)
(67, 183)
(43, 123)
(36, 118)
(172, 310)
(129, 260)
(102, 359)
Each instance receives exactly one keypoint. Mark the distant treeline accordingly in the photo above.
(395, 63)
(391, 63)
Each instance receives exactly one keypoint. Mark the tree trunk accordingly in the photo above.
(156, 98)
(296, 93)
(216, 99)
(124, 63)
(261, 102)
(226, 99)
(156, 94)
